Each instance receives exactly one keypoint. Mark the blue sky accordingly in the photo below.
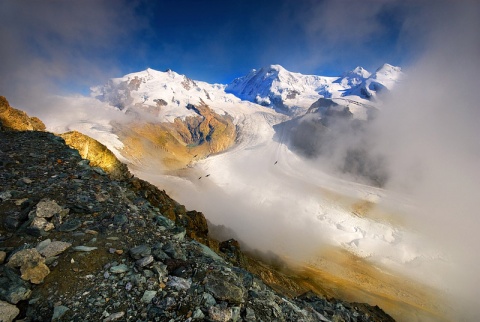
(59, 46)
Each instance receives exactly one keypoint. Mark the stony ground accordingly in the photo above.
(76, 245)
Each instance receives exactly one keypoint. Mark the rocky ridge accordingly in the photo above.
(79, 245)
(15, 120)
(173, 145)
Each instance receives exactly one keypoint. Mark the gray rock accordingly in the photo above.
(250, 314)
(179, 233)
(179, 283)
(164, 222)
(46, 208)
(84, 248)
(114, 316)
(207, 251)
(159, 254)
(138, 279)
(44, 243)
(120, 219)
(70, 225)
(118, 269)
(148, 296)
(53, 248)
(8, 312)
(5, 195)
(219, 314)
(208, 300)
(12, 288)
(27, 180)
(58, 312)
(3, 255)
(236, 311)
(161, 270)
(225, 287)
(12, 222)
(198, 315)
(140, 251)
(174, 250)
(145, 261)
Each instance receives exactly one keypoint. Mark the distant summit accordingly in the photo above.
(293, 93)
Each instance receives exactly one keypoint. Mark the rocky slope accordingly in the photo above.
(77, 245)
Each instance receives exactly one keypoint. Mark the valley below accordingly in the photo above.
(336, 237)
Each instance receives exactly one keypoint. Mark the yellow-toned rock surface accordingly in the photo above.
(98, 154)
(16, 120)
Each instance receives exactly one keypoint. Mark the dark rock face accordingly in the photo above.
(95, 265)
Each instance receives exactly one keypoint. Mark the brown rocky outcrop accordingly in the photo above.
(15, 120)
(175, 145)
(97, 153)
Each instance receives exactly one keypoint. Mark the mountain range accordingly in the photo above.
(162, 93)
(173, 120)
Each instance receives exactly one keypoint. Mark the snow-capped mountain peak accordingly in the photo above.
(294, 93)
(166, 94)
(275, 86)
(359, 71)
(388, 73)
(354, 77)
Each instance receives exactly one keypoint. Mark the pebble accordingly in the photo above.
(84, 248)
(118, 269)
(144, 261)
(59, 312)
(114, 316)
(148, 296)
(70, 225)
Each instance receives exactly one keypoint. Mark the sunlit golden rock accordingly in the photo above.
(98, 154)
(174, 145)
(16, 120)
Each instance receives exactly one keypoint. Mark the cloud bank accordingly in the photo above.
(429, 131)
(49, 46)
